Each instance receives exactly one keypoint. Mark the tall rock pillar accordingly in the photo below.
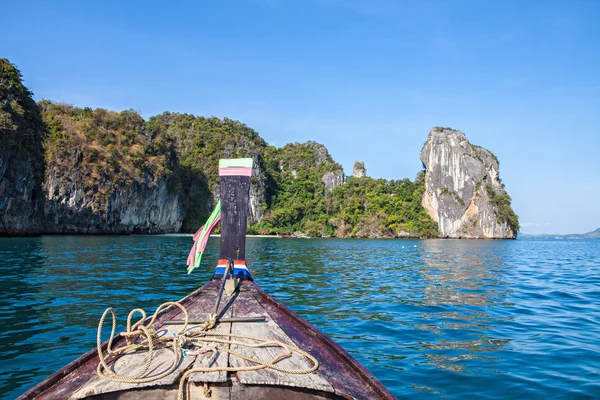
(463, 190)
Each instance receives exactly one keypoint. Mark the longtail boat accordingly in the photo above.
(226, 340)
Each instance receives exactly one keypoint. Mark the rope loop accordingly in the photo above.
(201, 338)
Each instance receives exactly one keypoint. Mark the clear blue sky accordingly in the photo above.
(366, 78)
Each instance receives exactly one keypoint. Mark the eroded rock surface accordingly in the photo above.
(359, 170)
(137, 208)
(332, 179)
(21, 155)
(463, 190)
(19, 206)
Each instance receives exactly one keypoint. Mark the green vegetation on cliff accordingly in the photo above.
(367, 207)
(105, 148)
(109, 149)
(97, 152)
(199, 143)
(21, 126)
(295, 173)
(454, 195)
(504, 212)
(361, 207)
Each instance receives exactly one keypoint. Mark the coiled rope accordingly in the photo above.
(198, 337)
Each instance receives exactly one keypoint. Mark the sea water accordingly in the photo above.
(429, 318)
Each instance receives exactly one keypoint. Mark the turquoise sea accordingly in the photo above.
(430, 318)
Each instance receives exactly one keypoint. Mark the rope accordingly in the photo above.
(196, 337)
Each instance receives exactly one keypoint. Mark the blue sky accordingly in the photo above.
(366, 78)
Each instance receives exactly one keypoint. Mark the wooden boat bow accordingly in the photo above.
(248, 312)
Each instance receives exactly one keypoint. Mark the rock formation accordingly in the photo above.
(19, 207)
(463, 190)
(199, 143)
(105, 174)
(311, 156)
(137, 208)
(332, 179)
(65, 169)
(359, 170)
(21, 156)
(258, 193)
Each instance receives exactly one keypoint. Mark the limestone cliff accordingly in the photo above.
(359, 170)
(106, 174)
(137, 208)
(19, 206)
(299, 177)
(463, 190)
(307, 158)
(258, 194)
(199, 143)
(65, 169)
(21, 158)
(332, 179)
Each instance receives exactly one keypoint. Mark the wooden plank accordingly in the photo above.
(235, 196)
(163, 359)
(222, 360)
(63, 383)
(260, 392)
(196, 392)
(246, 305)
(130, 364)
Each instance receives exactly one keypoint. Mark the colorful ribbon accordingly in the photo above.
(201, 238)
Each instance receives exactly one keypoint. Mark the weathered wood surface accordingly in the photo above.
(201, 313)
(130, 364)
(163, 358)
(246, 305)
(240, 391)
(235, 195)
(66, 381)
(338, 374)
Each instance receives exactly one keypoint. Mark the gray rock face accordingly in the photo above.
(462, 186)
(405, 235)
(332, 179)
(258, 194)
(21, 155)
(321, 153)
(19, 209)
(139, 208)
(359, 170)
(312, 156)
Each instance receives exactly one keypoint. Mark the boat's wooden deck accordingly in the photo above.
(339, 375)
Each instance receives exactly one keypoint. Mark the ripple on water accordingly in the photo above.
(444, 319)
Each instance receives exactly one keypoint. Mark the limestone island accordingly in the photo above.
(73, 170)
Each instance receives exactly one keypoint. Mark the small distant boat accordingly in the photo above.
(285, 236)
(226, 340)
